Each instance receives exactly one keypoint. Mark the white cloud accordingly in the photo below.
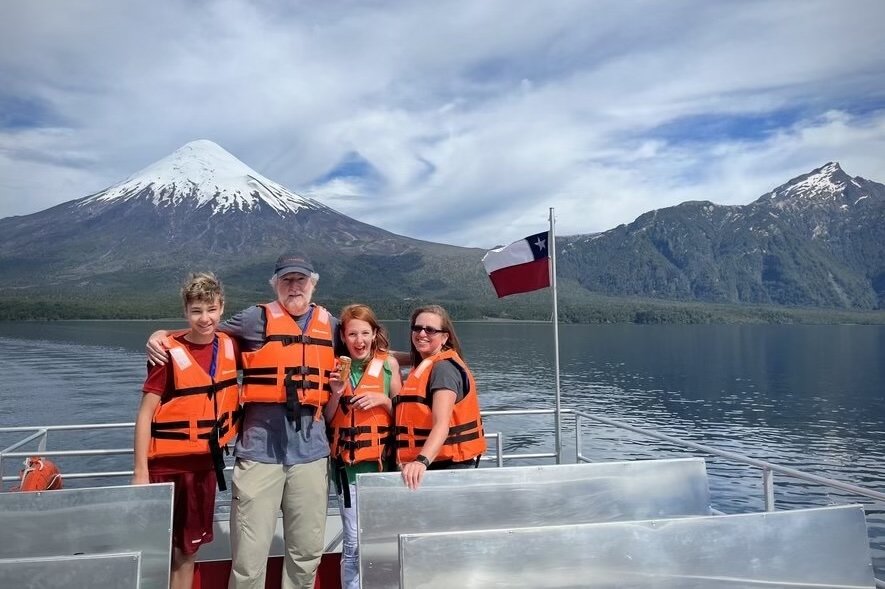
(477, 117)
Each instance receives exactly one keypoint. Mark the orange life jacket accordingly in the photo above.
(414, 419)
(202, 413)
(362, 435)
(291, 367)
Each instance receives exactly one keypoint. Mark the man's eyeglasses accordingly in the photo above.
(431, 331)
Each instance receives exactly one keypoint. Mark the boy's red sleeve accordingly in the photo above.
(155, 383)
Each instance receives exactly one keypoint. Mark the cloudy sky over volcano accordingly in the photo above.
(453, 121)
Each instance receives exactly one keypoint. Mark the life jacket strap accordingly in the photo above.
(354, 444)
(217, 458)
(289, 340)
(341, 484)
(267, 375)
(209, 390)
(163, 427)
(452, 440)
(423, 400)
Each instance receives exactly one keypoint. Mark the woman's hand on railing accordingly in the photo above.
(413, 474)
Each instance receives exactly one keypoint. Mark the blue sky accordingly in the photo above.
(452, 121)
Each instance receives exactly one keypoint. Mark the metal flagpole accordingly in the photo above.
(558, 414)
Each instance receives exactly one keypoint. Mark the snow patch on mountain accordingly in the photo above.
(202, 173)
(822, 181)
(825, 183)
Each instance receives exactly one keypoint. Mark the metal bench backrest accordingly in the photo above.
(821, 548)
(521, 496)
(83, 535)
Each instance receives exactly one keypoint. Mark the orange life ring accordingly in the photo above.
(39, 474)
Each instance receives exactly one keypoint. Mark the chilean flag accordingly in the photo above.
(522, 266)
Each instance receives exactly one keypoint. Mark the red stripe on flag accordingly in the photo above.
(521, 277)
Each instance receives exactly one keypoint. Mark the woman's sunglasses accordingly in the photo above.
(431, 331)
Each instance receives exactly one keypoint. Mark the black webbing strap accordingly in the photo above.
(354, 444)
(341, 484)
(412, 399)
(268, 375)
(457, 433)
(209, 390)
(217, 458)
(457, 429)
(462, 438)
(161, 430)
(418, 442)
(288, 340)
(353, 431)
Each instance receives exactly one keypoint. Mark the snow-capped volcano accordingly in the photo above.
(200, 208)
(203, 174)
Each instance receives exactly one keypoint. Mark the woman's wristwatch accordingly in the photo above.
(423, 460)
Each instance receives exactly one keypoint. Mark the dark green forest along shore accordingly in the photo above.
(600, 310)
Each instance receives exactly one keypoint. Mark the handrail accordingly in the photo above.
(67, 427)
(42, 431)
(768, 468)
(762, 464)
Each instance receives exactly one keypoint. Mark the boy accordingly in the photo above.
(188, 413)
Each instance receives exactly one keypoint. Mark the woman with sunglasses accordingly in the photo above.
(438, 425)
(359, 417)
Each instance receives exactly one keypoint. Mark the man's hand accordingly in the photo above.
(156, 348)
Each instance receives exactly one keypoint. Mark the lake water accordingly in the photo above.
(809, 397)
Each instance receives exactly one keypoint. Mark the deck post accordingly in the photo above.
(557, 417)
(768, 485)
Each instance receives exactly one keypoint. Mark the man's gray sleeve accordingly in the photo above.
(247, 327)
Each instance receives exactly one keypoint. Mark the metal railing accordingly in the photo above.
(40, 435)
(768, 469)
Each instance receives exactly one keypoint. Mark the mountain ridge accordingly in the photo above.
(817, 240)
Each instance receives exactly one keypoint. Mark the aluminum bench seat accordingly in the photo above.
(84, 535)
(524, 496)
(823, 548)
(62, 572)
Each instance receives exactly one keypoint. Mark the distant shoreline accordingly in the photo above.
(601, 310)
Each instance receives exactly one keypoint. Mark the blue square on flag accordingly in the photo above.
(522, 266)
(538, 243)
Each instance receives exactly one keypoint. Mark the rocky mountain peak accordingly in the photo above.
(203, 174)
(826, 184)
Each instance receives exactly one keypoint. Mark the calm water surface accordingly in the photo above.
(809, 397)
